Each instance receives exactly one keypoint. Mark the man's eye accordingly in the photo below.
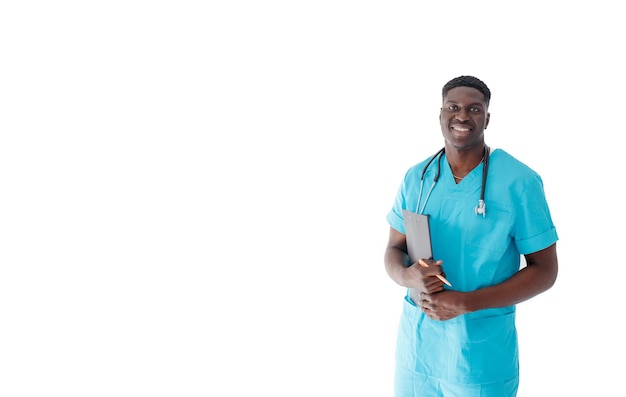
(475, 110)
(453, 107)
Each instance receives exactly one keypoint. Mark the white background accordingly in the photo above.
(193, 194)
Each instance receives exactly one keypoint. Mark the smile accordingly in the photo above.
(460, 128)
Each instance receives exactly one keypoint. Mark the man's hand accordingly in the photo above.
(424, 279)
(442, 305)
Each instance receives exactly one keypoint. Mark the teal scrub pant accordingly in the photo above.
(410, 384)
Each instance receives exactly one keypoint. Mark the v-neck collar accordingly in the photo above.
(469, 183)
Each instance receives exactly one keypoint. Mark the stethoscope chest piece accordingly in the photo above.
(480, 208)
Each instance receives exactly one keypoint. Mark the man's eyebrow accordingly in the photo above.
(471, 104)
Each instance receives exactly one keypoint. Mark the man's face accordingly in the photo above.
(464, 117)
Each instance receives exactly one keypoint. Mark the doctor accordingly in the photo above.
(486, 210)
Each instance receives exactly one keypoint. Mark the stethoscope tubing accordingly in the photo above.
(481, 208)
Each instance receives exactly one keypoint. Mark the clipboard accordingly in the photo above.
(418, 242)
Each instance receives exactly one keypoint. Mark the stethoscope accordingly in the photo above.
(480, 208)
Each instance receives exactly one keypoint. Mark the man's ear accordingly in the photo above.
(487, 120)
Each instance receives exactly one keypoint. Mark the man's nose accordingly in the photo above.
(462, 115)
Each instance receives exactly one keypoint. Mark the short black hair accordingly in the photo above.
(467, 81)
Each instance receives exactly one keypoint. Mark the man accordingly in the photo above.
(461, 340)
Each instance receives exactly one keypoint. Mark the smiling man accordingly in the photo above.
(486, 210)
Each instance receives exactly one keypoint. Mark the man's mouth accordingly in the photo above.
(460, 128)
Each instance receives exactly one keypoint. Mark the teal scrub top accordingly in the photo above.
(476, 251)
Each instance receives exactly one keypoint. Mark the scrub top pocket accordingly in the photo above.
(491, 233)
